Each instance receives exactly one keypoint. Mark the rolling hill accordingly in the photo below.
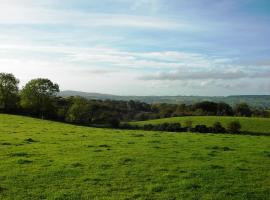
(42, 159)
(253, 100)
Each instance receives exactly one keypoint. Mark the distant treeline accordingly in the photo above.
(39, 98)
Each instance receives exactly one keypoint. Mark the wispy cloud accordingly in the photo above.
(15, 12)
(224, 74)
(165, 47)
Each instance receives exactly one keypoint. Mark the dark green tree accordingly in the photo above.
(8, 92)
(234, 127)
(242, 109)
(38, 96)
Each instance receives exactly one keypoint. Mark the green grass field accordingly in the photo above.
(253, 125)
(48, 160)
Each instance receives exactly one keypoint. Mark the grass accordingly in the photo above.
(48, 160)
(252, 125)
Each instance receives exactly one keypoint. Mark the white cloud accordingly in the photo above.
(221, 73)
(27, 12)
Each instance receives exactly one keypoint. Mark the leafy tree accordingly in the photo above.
(234, 127)
(79, 111)
(242, 109)
(8, 91)
(224, 109)
(38, 96)
(208, 108)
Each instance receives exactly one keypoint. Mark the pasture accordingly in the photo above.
(48, 160)
(250, 125)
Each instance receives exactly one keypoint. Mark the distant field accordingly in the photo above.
(48, 160)
(255, 125)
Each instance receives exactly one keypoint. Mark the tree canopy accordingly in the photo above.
(37, 96)
(8, 91)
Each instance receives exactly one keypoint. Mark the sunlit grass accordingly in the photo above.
(48, 160)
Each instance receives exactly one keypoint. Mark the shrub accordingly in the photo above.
(201, 129)
(234, 127)
(174, 127)
(189, 125)
(148, 127)
(114, 122)
(218, 128)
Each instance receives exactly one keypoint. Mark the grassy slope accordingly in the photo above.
(72, 162)
(256, 125)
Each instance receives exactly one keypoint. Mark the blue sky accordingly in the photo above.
(139, 47)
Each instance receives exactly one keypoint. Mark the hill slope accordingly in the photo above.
(252, 100)
(253, 125)
(48, 160)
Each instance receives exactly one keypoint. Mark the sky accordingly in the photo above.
(139, 47)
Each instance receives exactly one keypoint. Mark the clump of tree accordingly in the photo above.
(176, 127)
(39, 98)
(242, 110)
(212, 108)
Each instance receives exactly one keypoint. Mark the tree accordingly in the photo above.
(224, 109)
(234, 127)
(8, 91)
(189, 125)
(114, 122)
(218, 128)
(242, 109)
(79, 111)
(207, 107)
(38, 96)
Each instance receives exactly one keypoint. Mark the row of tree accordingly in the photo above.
(39, 98)
(232, 127)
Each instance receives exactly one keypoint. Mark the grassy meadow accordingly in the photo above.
(251, 125)
(48, 160)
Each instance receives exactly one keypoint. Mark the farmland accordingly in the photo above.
(48, 160)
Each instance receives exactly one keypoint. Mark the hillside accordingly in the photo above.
(252, 125)
(48, 160)
(252, 100)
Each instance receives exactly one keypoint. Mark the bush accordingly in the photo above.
(174, 127)
(189, 125)
(218, 128)
(148, 127)
(114, 122)
(201, 129)
(234, 127)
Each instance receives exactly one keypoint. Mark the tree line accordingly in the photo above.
(232, 127)
(39, 98)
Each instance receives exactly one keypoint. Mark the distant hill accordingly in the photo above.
(252, 100)
(90, 95)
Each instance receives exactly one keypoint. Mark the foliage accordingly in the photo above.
(8, 92)
(37, 96)
(218, 128)
(234, 127)
(79, 112)
(243, 110)
(249, 125)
